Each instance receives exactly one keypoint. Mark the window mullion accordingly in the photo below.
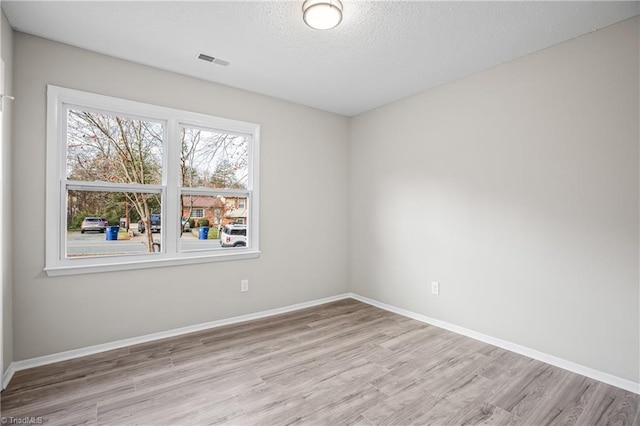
(253, 184)
(215, 191)
(113, 187)
(171, 220)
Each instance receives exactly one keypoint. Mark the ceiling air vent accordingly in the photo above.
(206, 57)
(216, 61)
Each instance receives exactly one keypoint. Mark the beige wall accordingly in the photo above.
(303, 169)
(517, 189)
(6, 53)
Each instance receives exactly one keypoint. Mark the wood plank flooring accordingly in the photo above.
(337, 364)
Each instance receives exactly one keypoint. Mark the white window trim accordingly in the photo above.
(55, 261)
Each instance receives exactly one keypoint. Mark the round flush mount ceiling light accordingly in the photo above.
(322, 14)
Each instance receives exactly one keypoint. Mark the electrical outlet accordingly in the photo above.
(435, 288)
(244, 285)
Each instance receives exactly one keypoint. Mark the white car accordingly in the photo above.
(94, 224)
(233, 236)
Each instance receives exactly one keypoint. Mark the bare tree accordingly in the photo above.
(212, 159)
(116, 149)
(206, 154)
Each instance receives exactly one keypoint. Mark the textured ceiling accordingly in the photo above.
(381, 52)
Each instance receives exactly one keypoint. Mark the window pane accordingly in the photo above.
(214, 159)
(102, 223)
(213, 222)
(111, 148)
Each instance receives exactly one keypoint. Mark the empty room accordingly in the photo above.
(320, 212)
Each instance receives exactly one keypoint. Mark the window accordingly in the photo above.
(123, 177)
(242, 203)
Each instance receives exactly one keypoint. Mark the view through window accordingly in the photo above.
(216, 164)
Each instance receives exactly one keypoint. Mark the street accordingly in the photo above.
(96, 244)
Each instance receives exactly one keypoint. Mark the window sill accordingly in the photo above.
(124, 265)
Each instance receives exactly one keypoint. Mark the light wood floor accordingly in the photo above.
(341, 363)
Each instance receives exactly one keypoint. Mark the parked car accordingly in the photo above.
(233, 236)
(186, 227)
(155, 224)
(93, 224)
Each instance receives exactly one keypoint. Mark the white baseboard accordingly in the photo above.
(76, 353)
(522, 350)
(7, 375)
(601, 376)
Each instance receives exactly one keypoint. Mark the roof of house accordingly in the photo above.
(201, 202)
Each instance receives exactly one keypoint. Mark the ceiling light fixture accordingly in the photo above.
(322, 14)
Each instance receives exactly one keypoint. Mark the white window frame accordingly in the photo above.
(199, 209)
(56, 262)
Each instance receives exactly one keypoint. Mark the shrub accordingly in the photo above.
(76, 221)
(192, 223)
(203, 221)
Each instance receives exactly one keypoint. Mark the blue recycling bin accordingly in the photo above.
(112, 233)
(203, 233)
